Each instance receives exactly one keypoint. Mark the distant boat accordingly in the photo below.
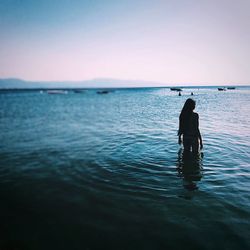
(79, 91)
(221, 89)
(230, 87)
(57, 92)
(176, 89)
(102, 92)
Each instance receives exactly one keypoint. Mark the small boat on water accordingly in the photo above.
(221, 89)
(79, 91)
(57, 92)
(102, 92)
(175, 89)
(230, 87)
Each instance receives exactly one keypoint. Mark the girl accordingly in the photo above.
(189, 128)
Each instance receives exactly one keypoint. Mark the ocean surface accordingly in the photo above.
(104, 171)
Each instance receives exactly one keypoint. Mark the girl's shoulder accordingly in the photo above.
(196, 115)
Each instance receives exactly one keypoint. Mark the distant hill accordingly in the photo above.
(13, 83)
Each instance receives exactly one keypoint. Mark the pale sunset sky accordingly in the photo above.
(192, 42)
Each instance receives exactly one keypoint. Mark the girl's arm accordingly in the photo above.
(179, 133)
(179, 140)
(199, 134)
(200, 138)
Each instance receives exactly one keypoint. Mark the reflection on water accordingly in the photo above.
(189, 167)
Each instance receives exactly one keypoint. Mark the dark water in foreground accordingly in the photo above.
(89, 171)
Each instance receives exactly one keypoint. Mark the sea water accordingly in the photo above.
(104, 171)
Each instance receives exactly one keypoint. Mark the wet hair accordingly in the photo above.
(185, 115)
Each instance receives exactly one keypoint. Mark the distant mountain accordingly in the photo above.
(13, 83)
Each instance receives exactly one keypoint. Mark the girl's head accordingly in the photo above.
(185, 115)
(189, 105)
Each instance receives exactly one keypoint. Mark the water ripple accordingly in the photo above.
(97, 164)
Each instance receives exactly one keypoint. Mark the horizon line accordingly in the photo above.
(160, 84)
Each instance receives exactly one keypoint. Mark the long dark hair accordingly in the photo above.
(185, 115)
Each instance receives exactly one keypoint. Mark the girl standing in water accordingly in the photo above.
(189, 128)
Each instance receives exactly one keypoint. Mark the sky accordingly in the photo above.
(188, 42)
